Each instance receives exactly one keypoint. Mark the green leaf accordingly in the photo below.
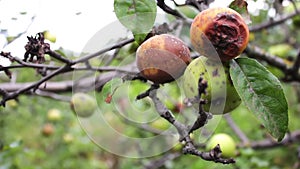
(136, 15)
(262, 93)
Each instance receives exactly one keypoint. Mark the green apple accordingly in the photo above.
(226, 142)
(160, 124)
(54, 115)
(83, 104)
(220, 92)
(281, 50)
(68, 138)
(47, 57)
(49, 36)
(12, 103)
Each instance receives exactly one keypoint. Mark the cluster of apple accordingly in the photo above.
(218, 35)
(48, 129)
(82, 104)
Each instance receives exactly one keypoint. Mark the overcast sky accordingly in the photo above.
(74, 22)
(68, 19)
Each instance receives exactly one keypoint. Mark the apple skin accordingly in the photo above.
(282, 50)
(226, 142)
(178, 147)
(160, 124)
(162, 58)
(219, 33)
(53, 115)
(68, 138)
(49, 36)
(83, 104)
(12, 103)
(220, 94)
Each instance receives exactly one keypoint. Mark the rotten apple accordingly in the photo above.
(162, 58)
(219, 33)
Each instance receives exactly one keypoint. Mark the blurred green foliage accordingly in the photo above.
(69, 146)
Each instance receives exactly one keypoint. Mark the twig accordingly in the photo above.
(293, 137)
(237, 130)
(112, 57)
(183, 131)
(104, 50)
(291, 73)
(30, 65)
(260, 54)
(169, 10)
(58, 57)
(198, 4)
(34, 86)
(108, 68)
(87, 82)
(213, 155)
(147, 93)
(23, 64)
(53, 96)
(4, 94)
(272, 23)
(6, 71)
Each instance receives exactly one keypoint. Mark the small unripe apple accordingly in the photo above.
(49, 36)
(68, 138)
(160, 124)
(83, 104)
(226, 142)
(54, 115)
(12, 103)
(178, 147)
(220, 93)
(162, 58)
(219, 29)
(48, 129)
(282, 50)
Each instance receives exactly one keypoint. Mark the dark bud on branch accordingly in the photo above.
(36, 49)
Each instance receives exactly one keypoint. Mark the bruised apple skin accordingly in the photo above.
(162, 58)
(219, 29)
(220, 94)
